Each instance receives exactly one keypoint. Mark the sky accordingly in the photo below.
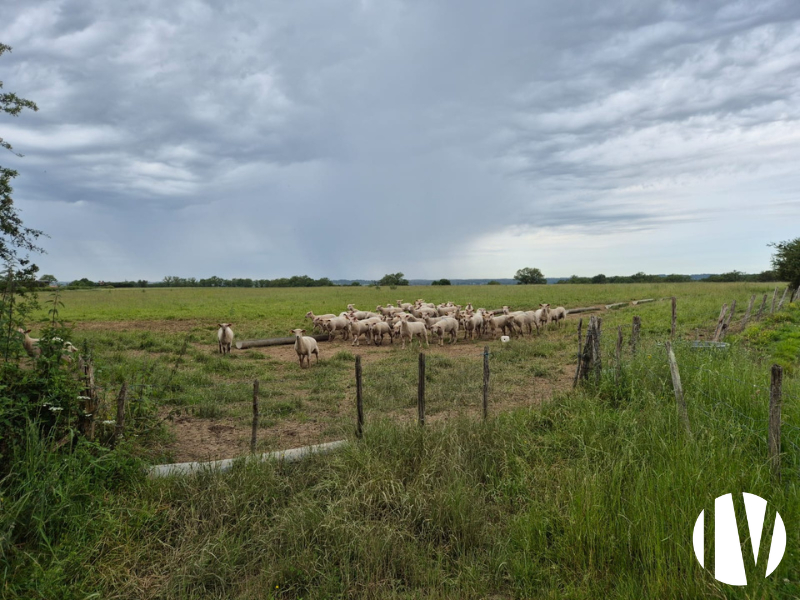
(354, 138)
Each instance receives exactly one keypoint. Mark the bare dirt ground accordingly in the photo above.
(202, 439)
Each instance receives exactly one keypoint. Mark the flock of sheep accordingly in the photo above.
(420, 320)
(408, 321)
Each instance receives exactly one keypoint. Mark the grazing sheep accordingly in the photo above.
(411, 330)
(225, 337)
(380, 328)
(404, 305)
(363, 314)
(444, 326)
(304, 346)
(30, 344)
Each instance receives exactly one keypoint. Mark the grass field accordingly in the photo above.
(559, 494)
(162, 343)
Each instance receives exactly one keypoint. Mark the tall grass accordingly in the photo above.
(594, 494)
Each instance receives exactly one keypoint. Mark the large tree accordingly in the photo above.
(529, 275)
(393, 279)
(786, 261)
(14, 236)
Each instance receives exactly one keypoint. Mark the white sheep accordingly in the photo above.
(558, 314)
(411, 330)
(444, 326)
(380, 328)
(225, 337)
(30, 344)
(501, 322)
(336, 324)
(543, 314)
(356, 328)
(305, 346)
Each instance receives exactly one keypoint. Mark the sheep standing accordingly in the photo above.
(30, 344)
(558, 314)
(305, 346)
(225, 337)
(414, 329)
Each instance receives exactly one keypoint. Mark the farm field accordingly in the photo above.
(162, 344)
(581, 493)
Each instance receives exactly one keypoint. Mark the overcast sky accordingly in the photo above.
(349, 139)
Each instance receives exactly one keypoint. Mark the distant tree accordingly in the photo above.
(48, 278)
(767, 276)
(355, 283)
(529, 275)
(599, 278)
(393, 279)
(441, 282)
(83, 282)
(786, 261)
(494, 282)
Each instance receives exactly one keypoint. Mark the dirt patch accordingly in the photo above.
(171, 326)
(198, 439)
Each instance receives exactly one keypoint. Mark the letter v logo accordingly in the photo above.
(728, 560)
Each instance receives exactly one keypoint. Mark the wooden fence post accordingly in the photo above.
(596, 358)
(727, 323)
(747, 314)
(674, 317)
(485, 382)
(421, 390)
(774, 434)
(761, 310)
(119, 427)
(783, 297)
(588, 349)
(578, 368)
(359, 401)
(86, 421)
(720, 320)
(774, 295)
(637, 325)
(254, 432)
(683, 413)
(619, 353)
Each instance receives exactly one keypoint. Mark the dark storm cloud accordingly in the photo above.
(350, 139)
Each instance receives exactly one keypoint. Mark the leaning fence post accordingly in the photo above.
(761, 310)
(674, 317)
(359, 401)
(720, 321)
(747, 314)
(774, 434)
(578, 368)
(119, 429)
(783, 297)
(421, 390)
(683, 413)
(485, 382)
(637, 325)
(619, 353)
(774, 295)
(254, 432)
(727, 323)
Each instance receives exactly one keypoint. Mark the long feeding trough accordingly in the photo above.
(320, 337)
